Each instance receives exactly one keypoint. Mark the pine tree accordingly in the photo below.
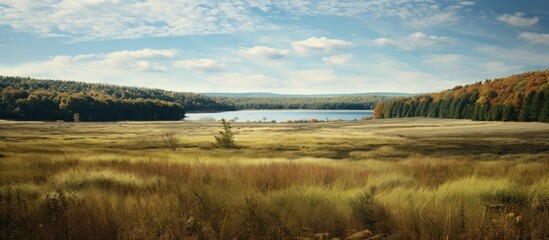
(476, 113)
(496, 113)
(483, 112)
(544, 112)
(434, 109)
(526, 109)
(537, 104)
(424, 106)
(226, 137)
(508, 113)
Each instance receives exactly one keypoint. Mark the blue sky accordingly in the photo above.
(299, 46)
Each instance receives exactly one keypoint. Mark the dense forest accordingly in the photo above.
(31, 99)
(27, 99)
(278, 95)
(338, 102)
(522, 97)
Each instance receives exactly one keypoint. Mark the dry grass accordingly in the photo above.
(104, 179)
(411, 179)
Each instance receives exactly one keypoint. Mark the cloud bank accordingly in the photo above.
(87, 20)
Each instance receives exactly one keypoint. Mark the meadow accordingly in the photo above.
(412, 178)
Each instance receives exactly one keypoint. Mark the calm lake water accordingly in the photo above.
(280, 115)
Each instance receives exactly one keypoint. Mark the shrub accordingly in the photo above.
(57, 206)
(226, 137)
(170, 141)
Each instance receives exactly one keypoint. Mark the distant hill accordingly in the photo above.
(346, 102)
(32, 99)
(276, 95)
(262, 100)
(521, 97)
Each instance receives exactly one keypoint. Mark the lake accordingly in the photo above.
(281, 115)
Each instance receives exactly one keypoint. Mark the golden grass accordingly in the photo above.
(401, 179)
(105, 179)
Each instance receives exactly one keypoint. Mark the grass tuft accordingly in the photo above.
(104, 179)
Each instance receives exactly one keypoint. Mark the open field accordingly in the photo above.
(399, 178)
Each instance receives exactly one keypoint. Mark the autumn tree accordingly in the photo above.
(520, 97)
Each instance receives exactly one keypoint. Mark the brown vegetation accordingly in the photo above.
(395, 179)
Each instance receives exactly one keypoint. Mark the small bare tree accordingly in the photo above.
(226, 137)
(170, 141)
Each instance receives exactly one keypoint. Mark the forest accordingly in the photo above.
(337, 102)
(522, 97)
(28, 99)
(32, 99)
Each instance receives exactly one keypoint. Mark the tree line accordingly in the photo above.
(522, 97)
(325, 103)
(190, 101)
(32, 99)
(27, 99)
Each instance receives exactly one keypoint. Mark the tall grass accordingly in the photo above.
(104, 179)
(152, 200)
(97, 189)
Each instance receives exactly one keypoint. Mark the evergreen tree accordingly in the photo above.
(496, 113)
(434, 110)
(226, 137)
(424, 106)
(526, 109)
(476, 113)
(508, 113)
(544, 111)
(537, 105)
(483, 112)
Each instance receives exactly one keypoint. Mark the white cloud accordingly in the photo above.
(535, 37)
(518, 19)
(262, 5)
(265, 52)
(467, 3)
(318, 44)
(435, 19)
(201, 65)
(115, 19)
(97, 67)
(413, 41)
(340, 59)
(411, 11)
(144, 53)
(126, 60)
(419, 13)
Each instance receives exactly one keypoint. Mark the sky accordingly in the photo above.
(285, 46)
